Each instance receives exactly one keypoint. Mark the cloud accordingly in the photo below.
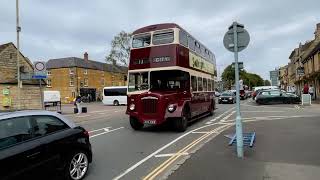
(53, 29)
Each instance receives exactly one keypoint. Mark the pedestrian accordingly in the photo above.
(78, 104)
(311, 91)
(306, 89)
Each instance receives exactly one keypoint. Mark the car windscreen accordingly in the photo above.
(226, 94)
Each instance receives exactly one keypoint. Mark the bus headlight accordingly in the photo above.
(171, 108)
(132, 107)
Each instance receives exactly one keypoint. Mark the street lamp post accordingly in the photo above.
(18, 28)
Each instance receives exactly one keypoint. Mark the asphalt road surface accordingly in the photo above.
(119, 152)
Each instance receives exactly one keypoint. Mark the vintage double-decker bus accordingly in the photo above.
(170, 77)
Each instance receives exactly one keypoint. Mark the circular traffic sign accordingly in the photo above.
(40, 66)
(243, 39)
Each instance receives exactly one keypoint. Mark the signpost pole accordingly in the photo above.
(238, 117)
(41, 94)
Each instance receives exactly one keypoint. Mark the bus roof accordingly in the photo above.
(115, 87)
(156, 27)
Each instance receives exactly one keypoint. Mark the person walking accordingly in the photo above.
(78, 104)
(311, 91)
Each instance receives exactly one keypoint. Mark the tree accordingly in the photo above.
(249, 79)
(267, 83)
(120, 49)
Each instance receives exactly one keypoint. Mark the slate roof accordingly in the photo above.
(69, 62)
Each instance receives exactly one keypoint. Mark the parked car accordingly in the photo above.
(276, 97)
(217, 94)
(256, 90)
(227, 97)
(243, 95)
(36, 143)
(248, 93)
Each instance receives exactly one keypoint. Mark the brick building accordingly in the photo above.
(72, 76)
(30, 97)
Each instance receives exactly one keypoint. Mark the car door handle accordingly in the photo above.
(33, 155)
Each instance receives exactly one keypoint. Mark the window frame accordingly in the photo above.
(185, 35)
(141, 35)
(49, 73)
(85, 71)
(49, 85)
(205, 84)
(85, 82)
(196, 81)
(71, 71)
(200, 88)
(50, 116)
(166, 31)
(71, 82)
(23, 141)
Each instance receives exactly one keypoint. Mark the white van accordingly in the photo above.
(115, 95)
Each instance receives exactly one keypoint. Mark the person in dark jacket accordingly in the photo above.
(78, 104)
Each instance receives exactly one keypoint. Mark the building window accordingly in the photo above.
(48, 73)
(49, 83)
(205, 84)
(86, 82)
(11, 55)
(73, 94)
(71, 81)
(85, 71)
(71, 70)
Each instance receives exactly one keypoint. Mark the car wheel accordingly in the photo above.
(211, 110)
(77, 165)
(181, 123)
(116, 103)
(135, 124)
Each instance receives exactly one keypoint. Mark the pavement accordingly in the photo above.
(286, 149)
(201, 152)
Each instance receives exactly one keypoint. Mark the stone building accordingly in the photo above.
(73, 76)
(307, 57)
(30, 94)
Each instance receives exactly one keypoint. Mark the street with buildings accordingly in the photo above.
(94, 94)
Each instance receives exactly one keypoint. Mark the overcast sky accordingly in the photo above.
(59, 28)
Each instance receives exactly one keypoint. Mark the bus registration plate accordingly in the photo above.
(150, 122)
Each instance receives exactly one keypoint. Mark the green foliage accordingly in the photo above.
(249, 79)
(267, 83)
(120, 49)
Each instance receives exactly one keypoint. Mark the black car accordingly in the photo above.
(276, 97)
(38, 144)
(227, 97)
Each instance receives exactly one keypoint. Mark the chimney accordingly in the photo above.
(317, 32)
(86, 56)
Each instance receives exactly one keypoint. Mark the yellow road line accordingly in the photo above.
(169, 161)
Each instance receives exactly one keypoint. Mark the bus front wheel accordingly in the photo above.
(181, 123)
(135, 124)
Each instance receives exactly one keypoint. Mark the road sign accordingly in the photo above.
(40, 66)
(242, 36)
(39, 77)
(240, 65)
(300, 71)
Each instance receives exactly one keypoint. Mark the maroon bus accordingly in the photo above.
(170, 77)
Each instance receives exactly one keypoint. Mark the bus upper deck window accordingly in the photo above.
(163, 37)
(140, 41)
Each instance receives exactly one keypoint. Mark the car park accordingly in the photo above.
(34, 144)
(227, 97)
(276, 97)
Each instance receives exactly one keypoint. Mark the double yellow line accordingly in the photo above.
(184, 150)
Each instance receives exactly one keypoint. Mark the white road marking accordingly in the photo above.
(82, 116)
(201, 132)
(261, 111)
(228, 116)
(105, 132)
(170, 154)
(115, 111)
(161, 149)
(99, 129)
(218, 117)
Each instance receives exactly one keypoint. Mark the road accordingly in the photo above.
(119, 152)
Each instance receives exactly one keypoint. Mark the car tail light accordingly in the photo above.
(86, 133)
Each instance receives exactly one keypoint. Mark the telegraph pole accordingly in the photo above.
(18, 54)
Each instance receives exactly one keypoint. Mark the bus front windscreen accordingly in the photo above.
(138, 81)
